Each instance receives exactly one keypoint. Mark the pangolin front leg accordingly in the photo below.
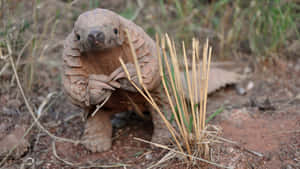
(98, 132)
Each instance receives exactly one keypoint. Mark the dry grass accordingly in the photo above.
(187, 125)
(36, 116)
(189, 115)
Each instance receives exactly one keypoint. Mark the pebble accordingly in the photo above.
(240, 90)
(148, 156)
(230, 150)
(250, 85)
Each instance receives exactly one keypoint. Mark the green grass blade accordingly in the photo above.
(217, 112)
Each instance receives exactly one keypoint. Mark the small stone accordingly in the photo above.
(230, 150)
(250, 85)
(148, 156)
(240, 90)
(266, 105)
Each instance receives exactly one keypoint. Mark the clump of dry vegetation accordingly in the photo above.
(187, 124)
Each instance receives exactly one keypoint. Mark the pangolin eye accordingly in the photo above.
(116, 31)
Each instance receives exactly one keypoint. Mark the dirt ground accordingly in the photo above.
(259, 129)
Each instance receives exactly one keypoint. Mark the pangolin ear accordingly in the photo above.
(122, 35)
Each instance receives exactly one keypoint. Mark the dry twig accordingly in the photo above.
(29, 107)
(182, 153)
(36, 119)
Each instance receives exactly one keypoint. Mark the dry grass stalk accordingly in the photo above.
(188, 113)
(147, 94)
(36, 116)
(1, 54)
(187, 110)
(181, 153)
(30, 109)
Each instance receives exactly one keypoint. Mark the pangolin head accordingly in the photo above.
(97, 30)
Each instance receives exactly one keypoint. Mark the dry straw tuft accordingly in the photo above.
(187, 124)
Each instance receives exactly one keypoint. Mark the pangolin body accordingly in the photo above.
(93, 73)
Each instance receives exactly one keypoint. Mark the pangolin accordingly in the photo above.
(93, 73)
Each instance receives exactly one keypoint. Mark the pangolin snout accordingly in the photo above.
(96, 37)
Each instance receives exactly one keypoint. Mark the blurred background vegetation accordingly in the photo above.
(35, 29)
